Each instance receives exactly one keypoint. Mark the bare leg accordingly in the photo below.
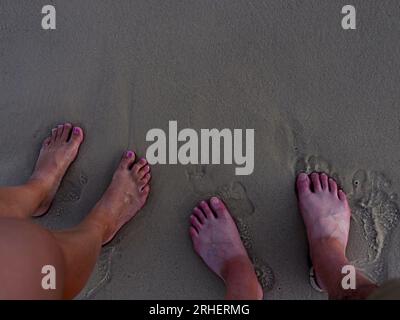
(326, 215)
(217, 241)
(34, 198)
(81, 246)
(25, 248)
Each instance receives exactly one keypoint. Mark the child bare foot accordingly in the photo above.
(126, 195)
(217, 241)
(57, 153)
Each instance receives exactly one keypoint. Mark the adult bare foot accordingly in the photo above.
(324, 208)
(217, 241)
(126, 195)
(56, 155)
(326, 214)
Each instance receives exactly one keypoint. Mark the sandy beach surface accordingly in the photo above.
(319, 98)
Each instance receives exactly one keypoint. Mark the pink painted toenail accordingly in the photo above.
(215, 201)
(77, 131)
(129, 154)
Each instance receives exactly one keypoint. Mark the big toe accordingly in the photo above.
(303, 184)
(218, 207)
(128, 159)
(76, 136)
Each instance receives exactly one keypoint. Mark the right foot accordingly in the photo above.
(217, 241)
(324, 208)
(326, 214)
(57, 153)
(126, 195)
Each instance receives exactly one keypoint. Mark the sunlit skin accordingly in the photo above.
(26, 247)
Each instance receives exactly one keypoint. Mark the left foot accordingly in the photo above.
(57, 153)
(217, 241)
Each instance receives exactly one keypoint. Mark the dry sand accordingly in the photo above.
(320, 98)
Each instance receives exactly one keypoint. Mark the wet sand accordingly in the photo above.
(318, 97)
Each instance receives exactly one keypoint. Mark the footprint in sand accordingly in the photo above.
(235, 196)
(234, 193)
(375, 208)
(102, 274)
(264, 272)
(70, 190)
(313, 163)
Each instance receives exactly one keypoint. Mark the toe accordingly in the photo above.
(139, 165)
(127, 159)
(218, 207)
(199, 214)
(145, 191)
(193, 232)
(53, 134)
(324, 181)
(333, 186)
(342, 195)
(303, 184)
(146, 179)
(77, 135)
(60, 129)
(316, 182)
(142, 172)
(46, 142)
(66, 132)
(207, 210)
(195, 222)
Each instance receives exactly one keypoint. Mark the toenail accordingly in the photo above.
(76, 130)
(129, 154)
(215, 201)
(302, 176)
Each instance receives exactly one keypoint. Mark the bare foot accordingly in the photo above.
(324, 208)
(326, 214)
(217, 241)
(126, 195)
(57, 153)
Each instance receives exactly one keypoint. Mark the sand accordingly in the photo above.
(318, 97)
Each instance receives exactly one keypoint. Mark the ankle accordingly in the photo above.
(328, 258)
(97, 219)
(328, 248)
(241, 280)
(40, 185)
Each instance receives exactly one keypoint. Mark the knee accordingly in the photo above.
(32, 262)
